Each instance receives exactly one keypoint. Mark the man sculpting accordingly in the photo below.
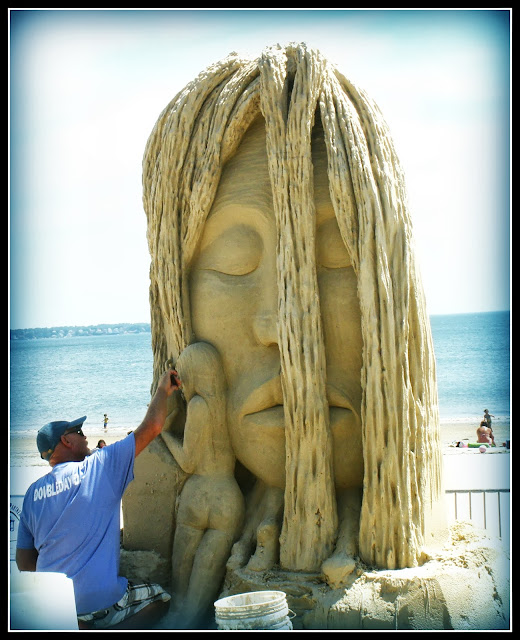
(70, 521)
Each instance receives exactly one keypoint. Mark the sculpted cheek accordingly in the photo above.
(222, 314)
(341, 318)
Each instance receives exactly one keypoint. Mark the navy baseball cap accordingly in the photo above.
(50, 435)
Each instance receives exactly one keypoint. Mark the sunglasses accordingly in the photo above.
(77, 430)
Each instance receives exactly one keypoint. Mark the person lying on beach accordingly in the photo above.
(64, 529)
(485, 434)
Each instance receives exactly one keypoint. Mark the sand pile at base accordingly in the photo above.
(465, 586)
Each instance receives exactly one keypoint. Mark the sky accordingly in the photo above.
(87, 86)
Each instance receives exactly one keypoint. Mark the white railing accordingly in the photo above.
(488, 509)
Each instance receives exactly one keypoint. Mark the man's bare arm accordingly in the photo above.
(157, 412)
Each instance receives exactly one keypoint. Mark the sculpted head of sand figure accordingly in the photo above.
(279, 233)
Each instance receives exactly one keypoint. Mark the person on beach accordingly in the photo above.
(100, 445)
(105, 421)
(487, 417)
(64, 530)
(485, 434)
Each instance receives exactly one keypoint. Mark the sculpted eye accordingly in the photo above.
(237, 251)
(331, 251)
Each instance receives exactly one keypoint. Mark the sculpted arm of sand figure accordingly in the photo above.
(211, 505)
(186, 451)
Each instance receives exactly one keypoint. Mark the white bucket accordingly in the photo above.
(266, 610)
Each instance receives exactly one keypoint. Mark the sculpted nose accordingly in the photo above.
(266, 328)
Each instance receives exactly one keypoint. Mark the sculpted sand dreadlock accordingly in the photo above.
(192, 140)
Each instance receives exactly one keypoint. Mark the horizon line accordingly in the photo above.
(148, 323)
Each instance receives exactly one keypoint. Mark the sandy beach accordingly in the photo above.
(467, 468)
(456, 431)
(463, 467)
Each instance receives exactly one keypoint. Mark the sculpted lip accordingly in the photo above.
(265, 401)
(265, 405)
(271, 417)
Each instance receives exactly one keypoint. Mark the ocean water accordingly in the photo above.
(473, 365)
(64, 379)
(67, 378)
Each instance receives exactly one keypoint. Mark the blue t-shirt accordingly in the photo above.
(71, 517)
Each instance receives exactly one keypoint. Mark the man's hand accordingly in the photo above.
(155, 417)
(175, 380)
(169, 382)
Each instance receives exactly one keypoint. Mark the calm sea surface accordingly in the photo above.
(64, 379)
(473, 364)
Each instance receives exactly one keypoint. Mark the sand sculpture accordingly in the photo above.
(282, 254)
(211, 506)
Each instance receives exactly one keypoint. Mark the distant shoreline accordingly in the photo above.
(121, 328)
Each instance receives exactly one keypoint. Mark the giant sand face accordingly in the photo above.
(234, 307)
(281, 243)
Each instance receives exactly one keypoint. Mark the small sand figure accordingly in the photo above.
(211, 506)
